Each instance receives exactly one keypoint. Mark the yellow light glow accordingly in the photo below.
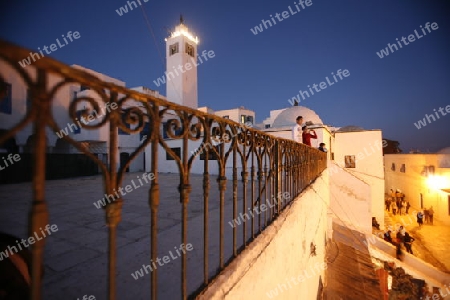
(436, 182)
(186, 34)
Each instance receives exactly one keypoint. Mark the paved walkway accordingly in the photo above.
(76, 255)
(432, 242)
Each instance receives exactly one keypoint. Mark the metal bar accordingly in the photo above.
(260, 175)
(252, 178)
(235, 196)
(205, 217)
(266, 192)
(39, 213)
(112, 209)
(184, 190)
(244, 198)
(154, 201)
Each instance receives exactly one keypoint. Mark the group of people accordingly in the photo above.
(302, 134)
(396, 201)
(401, 239)
(427, 215)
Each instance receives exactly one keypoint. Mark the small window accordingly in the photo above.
(145, 132)
(211, 154)
(164, 131)
(190, 50)
(249, 119)
(226, 117)
(243, 119)
(350, 161)
(393, 167)
(5, 98)
(403, 168)
(120, 131)
(267, 126)
(173, 49)
(84, 88)
(177, 151)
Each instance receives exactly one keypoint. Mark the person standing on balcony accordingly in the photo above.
(322, 147)
(297, 130)
(307, 135)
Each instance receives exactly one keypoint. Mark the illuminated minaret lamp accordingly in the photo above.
(181, 74)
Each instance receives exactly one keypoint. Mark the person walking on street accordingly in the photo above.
(430, 215)
(408, 242)
(393, 195)
(426, 215)
(400, 235)
(394, 208)
(387, 237)
(420, 218)
(388, 204)
(407, 206)
(403, 204)
(399, 253)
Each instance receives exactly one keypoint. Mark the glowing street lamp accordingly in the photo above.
(436, 182)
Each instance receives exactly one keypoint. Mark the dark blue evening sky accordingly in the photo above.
(263, 71)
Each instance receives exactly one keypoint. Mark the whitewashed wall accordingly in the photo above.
(367, 147)
(279, 264)
(350, 199)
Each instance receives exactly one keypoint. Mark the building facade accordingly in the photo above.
(423, 178)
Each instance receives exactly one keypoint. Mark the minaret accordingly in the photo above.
(181, 74)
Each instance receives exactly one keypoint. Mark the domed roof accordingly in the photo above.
(350, 128)
(444, 158)
(445, 150)
(287, 117)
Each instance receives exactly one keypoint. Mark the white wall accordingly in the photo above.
(18, 98)
(350, 199)
(367, 147)
(280, 258)
(60, 104)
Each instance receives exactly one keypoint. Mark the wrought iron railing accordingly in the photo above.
(262, 166)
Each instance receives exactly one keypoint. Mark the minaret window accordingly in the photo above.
(190, 50)
(173, 49)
